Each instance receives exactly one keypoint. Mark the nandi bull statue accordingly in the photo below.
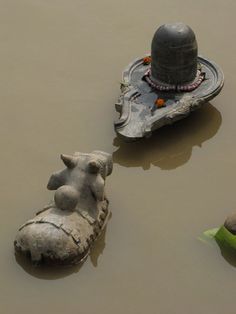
(63, 232)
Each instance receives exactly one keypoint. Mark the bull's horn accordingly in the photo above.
(94, 166)
(69, 161)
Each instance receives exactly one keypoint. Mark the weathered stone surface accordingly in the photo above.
(173, 75)
(174, 42)
(63, 232)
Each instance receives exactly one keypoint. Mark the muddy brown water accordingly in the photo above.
(60, 67)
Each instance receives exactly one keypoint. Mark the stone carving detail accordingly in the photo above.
(63, 232)
(166, 86)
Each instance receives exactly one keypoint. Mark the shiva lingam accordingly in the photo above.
(164, 87)
(64, 231)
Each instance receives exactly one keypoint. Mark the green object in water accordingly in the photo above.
(225, 238)
(211, 233)
(208, 236)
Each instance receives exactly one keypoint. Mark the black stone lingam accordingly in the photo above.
(174, 54)
(166, 86)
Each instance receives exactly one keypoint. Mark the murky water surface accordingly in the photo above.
(61, 64)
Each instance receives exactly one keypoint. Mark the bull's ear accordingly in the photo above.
(93, 166)
(55, 181)
(69, 161)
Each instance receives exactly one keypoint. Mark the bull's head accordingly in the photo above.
(90, 169)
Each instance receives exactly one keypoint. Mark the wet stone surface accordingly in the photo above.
(63, 232)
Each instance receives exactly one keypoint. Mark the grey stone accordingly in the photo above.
(63, 232)
(140, 88)
(173, 42)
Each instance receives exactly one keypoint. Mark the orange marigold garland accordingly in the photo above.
(147, 60)
(160, 102)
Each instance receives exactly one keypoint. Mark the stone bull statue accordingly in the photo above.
(63, 232)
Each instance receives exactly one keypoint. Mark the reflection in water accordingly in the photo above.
(170, 147)
(98, 248)
(55, 272)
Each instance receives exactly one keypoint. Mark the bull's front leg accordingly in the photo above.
(97, 188)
